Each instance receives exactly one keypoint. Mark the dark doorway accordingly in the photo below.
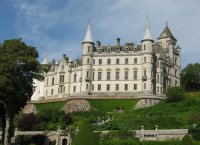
(64, 141)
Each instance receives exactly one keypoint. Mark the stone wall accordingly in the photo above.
(161, 135)
(76, 105)
(146, 103)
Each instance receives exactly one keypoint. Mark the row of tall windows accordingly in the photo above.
(117, 75)
(116, 62)
(108, 86)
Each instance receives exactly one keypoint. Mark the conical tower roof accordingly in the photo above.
(88, 36)
(147, 34)
(166, 33)
(45, 60)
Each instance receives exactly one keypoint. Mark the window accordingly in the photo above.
(126, 75)
(92, 75)
(161, 78)
(63, 89)
(62, 67)
(135, 86)
(126, 87)
(87, 75)
(145, 86)
(88, 48)
(175, 61)
(145, 59)
(175, 73)
(46, 92)
(135, 75)
(108, 61)
(116, 87)
(108, 75)
(126, 60)
(86, 86)
(51, 91)
(99, 87)
(135, 60)
(62, 78)
(99, 75)
(100, 61)
(145, 72)
(93, 61)
(92, 87)
(88, 61)
(117, 75)
(52, 83)
(144, 47)
(161, 90)
(108, 87)
(117, 61)
(74, 77)
(74, 90)
(157, 90)
(175, 83)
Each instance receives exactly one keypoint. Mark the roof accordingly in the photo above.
(147, 34)
(88, 36)
(166, 33)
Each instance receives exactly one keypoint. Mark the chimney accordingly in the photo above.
(118, 41)
(98, 44)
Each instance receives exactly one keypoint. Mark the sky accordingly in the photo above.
(60, 25)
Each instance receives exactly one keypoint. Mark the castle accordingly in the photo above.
(149, 68)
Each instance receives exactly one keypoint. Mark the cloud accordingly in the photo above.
(60, 25)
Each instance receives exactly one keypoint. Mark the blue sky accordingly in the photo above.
(59, 25)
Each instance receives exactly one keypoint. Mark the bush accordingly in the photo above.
(30, 140)
(175, 94)
(28, 122)
(195, 132)
(186, 140)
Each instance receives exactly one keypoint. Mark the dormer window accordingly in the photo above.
(126, 49)
(88, 48)
(62, 67)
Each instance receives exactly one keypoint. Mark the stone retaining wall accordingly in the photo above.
(161, 135)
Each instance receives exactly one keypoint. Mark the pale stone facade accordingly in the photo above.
(149, 68)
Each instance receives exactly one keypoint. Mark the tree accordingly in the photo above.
(18, 67)
(190, 77)
(187, 140)
(175, 94)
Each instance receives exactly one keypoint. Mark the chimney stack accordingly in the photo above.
(118, 41)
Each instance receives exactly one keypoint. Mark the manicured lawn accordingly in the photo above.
(52, 105)
(110, 105)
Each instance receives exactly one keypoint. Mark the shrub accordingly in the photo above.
(195, 132)
(187, 140)
(28, 122)
(175, 94)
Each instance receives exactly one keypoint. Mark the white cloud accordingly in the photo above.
(39, 21)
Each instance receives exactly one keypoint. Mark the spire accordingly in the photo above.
(147, 34)
(45, 61)
(88, 36)
(166, 33)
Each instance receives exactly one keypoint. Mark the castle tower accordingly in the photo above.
(172, 52)
(147, 61)
(87, 56)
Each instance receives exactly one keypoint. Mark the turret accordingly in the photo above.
(147, 40)
(147, 60)
(87, 49)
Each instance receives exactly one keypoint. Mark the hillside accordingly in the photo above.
(119, 116)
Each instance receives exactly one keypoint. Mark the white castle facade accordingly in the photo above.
(149, 68)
